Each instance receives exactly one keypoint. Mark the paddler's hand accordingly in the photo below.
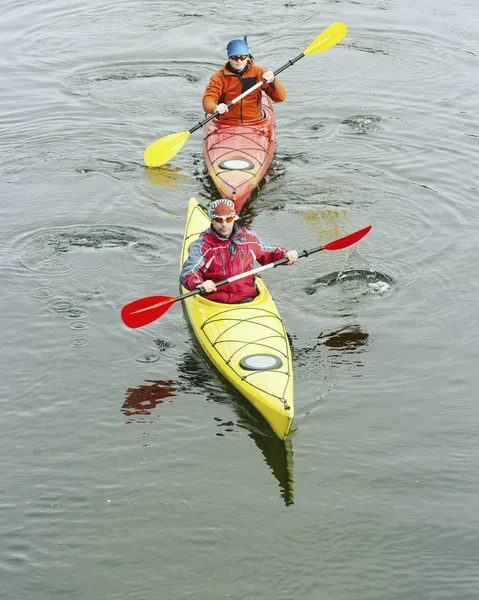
(221, 109)
(268, 76)
(208, 286)
(292, 256)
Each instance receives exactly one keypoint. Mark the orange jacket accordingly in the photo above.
(225, 86)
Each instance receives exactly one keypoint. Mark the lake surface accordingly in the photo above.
(130, 470)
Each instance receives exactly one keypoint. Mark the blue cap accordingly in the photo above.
(237, 48)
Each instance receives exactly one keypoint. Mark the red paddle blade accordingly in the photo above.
(347, 240)
(145, 310)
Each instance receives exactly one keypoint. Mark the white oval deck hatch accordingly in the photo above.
(260, 362)
(236, 164)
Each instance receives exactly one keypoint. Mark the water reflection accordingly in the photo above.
(143, 399)
(278, 454)
(328, 223)
(344, 345)
(349, 339)
(165, 176)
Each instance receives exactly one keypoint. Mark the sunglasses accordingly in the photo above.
(225, 219)
(241, 57)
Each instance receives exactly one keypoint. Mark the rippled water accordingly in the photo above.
(130, 469)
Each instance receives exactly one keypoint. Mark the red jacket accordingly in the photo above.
(225, 86)
(216, 258)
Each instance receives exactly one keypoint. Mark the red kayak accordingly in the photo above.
(238, 155)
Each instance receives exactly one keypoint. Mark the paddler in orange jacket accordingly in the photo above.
(238, 75)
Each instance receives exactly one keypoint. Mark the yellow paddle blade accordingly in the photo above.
(163, 150)
(329, 38)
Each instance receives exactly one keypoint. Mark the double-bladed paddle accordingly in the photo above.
(164, 149)
(146, 310)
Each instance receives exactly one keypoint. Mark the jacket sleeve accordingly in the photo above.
(213, 93)
(274, 90)
(191, 272)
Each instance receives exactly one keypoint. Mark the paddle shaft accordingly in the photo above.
(251, 89)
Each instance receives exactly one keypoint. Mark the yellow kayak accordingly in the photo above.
(247, 343)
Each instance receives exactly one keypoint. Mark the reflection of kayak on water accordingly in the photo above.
(145, 400)
(247, 343)
(238, 155)
(278, 454)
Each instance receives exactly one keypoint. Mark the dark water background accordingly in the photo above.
(129, 469)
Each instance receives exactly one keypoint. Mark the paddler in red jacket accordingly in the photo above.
(225, 250)
(238, 75)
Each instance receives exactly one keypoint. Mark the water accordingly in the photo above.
(129, 468)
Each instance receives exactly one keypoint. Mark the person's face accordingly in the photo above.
(223, 225)
(238, 62)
